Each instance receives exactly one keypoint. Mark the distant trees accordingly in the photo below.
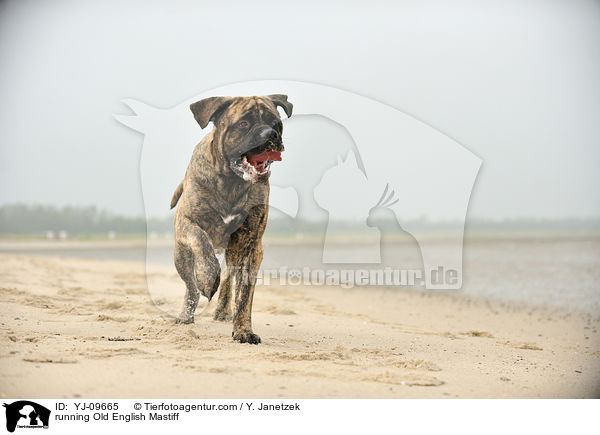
(50, 221)
(40, 219)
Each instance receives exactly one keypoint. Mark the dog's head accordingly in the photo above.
(247, 132)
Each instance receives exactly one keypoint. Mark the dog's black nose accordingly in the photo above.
(267, 134)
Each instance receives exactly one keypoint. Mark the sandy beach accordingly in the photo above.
(88, 328)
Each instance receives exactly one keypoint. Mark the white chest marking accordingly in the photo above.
(229, 218)
(221, 259)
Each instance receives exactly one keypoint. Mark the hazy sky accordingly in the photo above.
(516, 82)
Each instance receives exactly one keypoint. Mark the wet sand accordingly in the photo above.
(87, 328)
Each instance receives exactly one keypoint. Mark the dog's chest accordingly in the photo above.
(231, 218)
(232, 222)
(220, 226)
(229, 208)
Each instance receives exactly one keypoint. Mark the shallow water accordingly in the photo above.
(555, 271)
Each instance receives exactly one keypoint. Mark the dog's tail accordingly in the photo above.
(177, 195)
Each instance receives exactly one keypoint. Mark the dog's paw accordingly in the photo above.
(246, 337)
(184, 319)
(222, 316)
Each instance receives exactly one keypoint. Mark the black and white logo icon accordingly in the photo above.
(26, 414)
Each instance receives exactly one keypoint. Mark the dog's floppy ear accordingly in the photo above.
(282, 101)
(209, 109)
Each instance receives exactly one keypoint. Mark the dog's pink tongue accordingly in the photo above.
(263, 157)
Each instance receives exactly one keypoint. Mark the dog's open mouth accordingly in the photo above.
(254, 166)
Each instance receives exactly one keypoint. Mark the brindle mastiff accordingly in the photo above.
(223, 204)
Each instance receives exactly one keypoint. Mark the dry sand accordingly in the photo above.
(87, 328)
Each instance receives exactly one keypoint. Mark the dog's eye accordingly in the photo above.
(243, 124)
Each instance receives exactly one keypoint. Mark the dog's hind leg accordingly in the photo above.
(223, 311)
(197, 264)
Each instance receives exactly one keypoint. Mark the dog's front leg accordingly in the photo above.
(246, 246)
(244, 294)
(197, 265)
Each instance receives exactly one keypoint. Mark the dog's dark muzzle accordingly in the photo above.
(264, 138)
(262, 146)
